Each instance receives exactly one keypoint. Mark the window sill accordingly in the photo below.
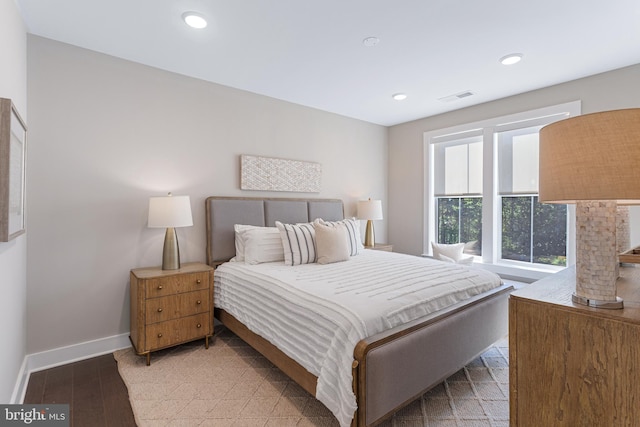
(521, 273)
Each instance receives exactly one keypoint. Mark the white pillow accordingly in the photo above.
(332, 244)
(466, 260)
(446, 259)
(239, 233)
(298, 243)
(352, 228)
(453, 251)
(262, 244)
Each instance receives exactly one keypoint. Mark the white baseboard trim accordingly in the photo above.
(21, 384)
(63, 355)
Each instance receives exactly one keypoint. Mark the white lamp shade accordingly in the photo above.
(169, 211)
(370, 209)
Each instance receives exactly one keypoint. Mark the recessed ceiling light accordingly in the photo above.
(194, 20)
(512, 58)
(370, 41)
(399, 96)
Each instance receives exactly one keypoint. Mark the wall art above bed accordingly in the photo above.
(274, 174)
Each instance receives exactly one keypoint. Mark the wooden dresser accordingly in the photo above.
(572, 365)
(170, 307)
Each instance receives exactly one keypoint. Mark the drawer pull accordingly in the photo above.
(160, 310)
(199, 325)
(198, 302)
(159, 287)
(198, 281)
(160, 335)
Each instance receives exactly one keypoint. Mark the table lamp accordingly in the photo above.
(369, 210)
(170, 212)
(593, 161)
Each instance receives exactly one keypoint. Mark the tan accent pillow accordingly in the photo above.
(352, 226)
(332, 244)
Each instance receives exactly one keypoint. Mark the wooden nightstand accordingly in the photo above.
(573, 365)
(381, 247)
(170, 307)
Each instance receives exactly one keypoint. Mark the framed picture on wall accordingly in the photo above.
(13, 144)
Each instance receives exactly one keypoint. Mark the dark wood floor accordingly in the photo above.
(93, 388)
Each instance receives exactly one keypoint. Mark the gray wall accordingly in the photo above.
(13, 255)
(106, 134)
(607, 91)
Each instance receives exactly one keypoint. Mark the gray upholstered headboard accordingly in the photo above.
(223, 213)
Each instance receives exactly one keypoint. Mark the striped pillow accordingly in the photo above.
(352, 226)
(298, 242)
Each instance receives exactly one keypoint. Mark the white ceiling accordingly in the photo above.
(310, 52)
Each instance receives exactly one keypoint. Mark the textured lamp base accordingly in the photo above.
(623, 229)
(597, 255)
(171, 251)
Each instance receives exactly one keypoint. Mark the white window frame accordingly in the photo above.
(490, 258)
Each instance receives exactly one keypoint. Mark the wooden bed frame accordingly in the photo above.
(390, 369)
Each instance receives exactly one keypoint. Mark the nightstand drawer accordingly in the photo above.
(174, 306)
(164, 334)
(169, 285)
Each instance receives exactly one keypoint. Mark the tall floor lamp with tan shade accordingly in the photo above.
(593, 161)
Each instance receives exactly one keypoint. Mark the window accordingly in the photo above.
(459, 192)
(531, 231)
(482, 190)
(460, 220)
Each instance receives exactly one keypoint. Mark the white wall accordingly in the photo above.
(13, 255)
(607, 91)
(106, 134)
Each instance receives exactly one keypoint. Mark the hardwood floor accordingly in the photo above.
(96, 394)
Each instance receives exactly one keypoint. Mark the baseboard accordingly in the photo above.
(63, 355)
(21, 385)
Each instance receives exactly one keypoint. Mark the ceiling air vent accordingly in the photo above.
(456, 96)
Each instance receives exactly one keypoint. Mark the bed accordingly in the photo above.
(388, 368)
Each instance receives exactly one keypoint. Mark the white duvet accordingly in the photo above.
(316, 314)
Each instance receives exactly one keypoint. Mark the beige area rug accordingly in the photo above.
(230, 384)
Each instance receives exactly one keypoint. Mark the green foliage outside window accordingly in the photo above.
(531, 231)
(534, 232)
(460, 221)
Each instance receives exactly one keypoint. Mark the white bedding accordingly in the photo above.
(316, 314)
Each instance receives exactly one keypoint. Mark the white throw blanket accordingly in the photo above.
(316, 314)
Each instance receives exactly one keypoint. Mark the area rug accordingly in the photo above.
(230, 384)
